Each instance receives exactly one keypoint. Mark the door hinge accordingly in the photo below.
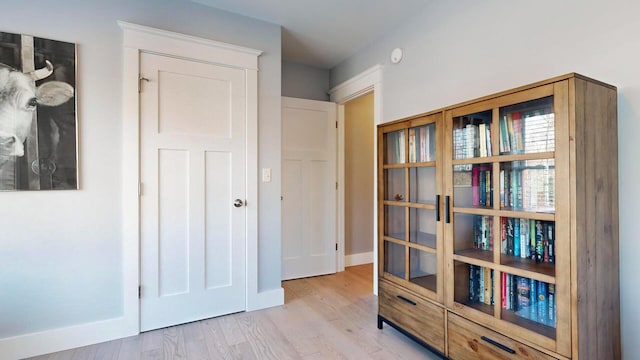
(336, 185)
(140, 80)
(139, 292)
(336, 246)
(336, 124)
(139, 189)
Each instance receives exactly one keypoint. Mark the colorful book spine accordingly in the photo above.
(533, 308)
(503, 290)
(503, 235)
(551, 296)
(412, 145)
(550, 242)
(522, 308)
(539, 253)
(510, 249)
(488, 286)
(543, 303)
(516, 237)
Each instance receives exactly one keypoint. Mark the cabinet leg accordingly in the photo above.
(379, 322)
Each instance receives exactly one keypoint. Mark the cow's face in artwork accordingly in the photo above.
(19, 98)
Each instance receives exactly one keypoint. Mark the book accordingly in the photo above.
(431, 143)
(475, 185)
(512, 144)
(472, 141)
(501, 188)
(543, 303)
(503, 235)
(503, 290)
(488, 136)
(423, 144)
(488, 286)
(551, 299)
(412, 145)
(539, 248)
(523, 304)
(517, 133)
(505, 146)
(510, 248)
(516, 237)
(488, 188)
(533, 308)
(401, 154)
(482, 132)
(481, 284)
(551, 241)
(472, 284)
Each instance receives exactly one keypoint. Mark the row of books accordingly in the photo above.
(472, 141)
(395, 147)
(527, 132)
(481, 185)
(527, 298)
(530, 299)
(528, 187)
(422, 145)
(483, 232)
(481, 285)
(528, 239)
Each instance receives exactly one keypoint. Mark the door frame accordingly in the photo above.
(361, 84)
(139, 39)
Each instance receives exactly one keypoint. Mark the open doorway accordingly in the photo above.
(359, 137)
(367, 82)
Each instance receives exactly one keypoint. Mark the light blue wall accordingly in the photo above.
(61, 252)
(459, 50)
(304, 82)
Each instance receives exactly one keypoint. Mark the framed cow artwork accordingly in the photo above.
(38, 124)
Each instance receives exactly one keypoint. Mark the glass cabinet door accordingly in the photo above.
(410, 205)
(502, 234)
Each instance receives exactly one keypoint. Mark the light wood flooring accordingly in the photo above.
(324, 317)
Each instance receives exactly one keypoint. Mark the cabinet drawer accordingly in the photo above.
(468, 340)
(412, 313)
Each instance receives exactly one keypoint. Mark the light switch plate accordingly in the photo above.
(266, 175)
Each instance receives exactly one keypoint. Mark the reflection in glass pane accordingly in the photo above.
(528, 185)
(423, 268)
(529, 303)
(472, 137)
(395, 147)
(478, 191)
(422, 143)
(474, 287)
(394, 185)
(527, 127)
(422, 185)
(422, 224)
(395, 222)
(394, 259)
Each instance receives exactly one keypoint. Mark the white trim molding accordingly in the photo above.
(49, 341)
(363, 83)
(358, 259)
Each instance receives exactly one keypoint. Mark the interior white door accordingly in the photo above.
(309, 207)
(192, 169)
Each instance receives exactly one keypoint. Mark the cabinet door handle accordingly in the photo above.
(498, 345)
(446, 208)
(437, 207)
(406, 300)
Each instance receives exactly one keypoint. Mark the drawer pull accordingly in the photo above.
(498, 345)
(406, 300)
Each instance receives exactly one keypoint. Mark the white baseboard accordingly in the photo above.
(358, 259)
(44, 342)
(266, 299)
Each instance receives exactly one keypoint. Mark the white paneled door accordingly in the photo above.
(193, 186)
(309, 188)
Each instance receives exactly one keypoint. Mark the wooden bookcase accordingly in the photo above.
(498, 224)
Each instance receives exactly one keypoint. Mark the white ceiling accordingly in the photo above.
(323, 33)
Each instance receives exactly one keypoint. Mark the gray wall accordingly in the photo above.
(304, 82)
(61, 252)
(456, 51)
